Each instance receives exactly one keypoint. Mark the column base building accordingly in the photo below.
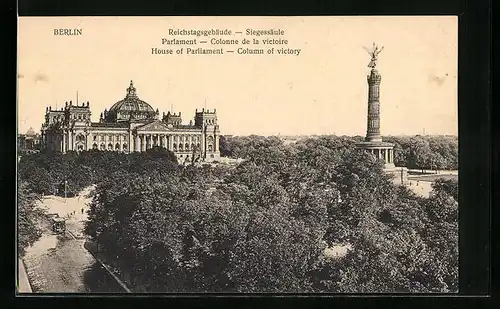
(131, 125)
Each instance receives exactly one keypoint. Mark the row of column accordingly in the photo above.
(142, 142)
(138, 142)
(386, 154)
(109, 146)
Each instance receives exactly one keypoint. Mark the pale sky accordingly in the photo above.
(323, 90)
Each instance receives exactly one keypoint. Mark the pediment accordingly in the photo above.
(154, 126)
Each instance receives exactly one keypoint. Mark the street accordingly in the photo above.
(60, 263)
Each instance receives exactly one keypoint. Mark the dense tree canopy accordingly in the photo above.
(46, 172)
(417, 152)
(263, 225)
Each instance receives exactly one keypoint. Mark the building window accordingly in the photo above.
(94, 146)
(103, 147)
(180, 147)
(186, 146)
(80, 147)
(124, 146)
(95, 138)
(117, 146)
(175, 146)
(211, 156)
(110, 146)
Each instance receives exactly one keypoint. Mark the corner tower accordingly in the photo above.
(206, 120)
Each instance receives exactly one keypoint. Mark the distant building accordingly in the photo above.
(131, 125)
(29, 142)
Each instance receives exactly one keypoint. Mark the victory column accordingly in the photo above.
(373, 141)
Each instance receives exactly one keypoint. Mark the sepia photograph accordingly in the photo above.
(303, 154)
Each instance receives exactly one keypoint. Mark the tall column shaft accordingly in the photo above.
(373, 119)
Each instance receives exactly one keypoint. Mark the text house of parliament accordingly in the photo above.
(131, 125)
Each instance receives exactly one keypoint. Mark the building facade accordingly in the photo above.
(131, 125)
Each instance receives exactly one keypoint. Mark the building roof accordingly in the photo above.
(30, 132)
(187, 126)
(109, 124)
(374, 144)
(131, 103)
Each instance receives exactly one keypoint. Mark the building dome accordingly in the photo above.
(131, 107)
(30, 132)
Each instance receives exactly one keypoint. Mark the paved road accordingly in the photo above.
(60, 264)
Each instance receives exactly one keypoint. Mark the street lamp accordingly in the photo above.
(65, 194)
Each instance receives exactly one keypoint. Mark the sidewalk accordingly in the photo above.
(23, 285)
(92, 248)
(432, 172)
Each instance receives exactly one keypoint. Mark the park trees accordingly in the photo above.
(27, 216)
(421, 152)
(246, 146)
(262, 226)
(45, 172)
(225, 147)
(441, 235)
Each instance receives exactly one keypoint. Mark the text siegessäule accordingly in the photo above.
(225, 42)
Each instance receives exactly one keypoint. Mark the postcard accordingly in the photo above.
(301, 154)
